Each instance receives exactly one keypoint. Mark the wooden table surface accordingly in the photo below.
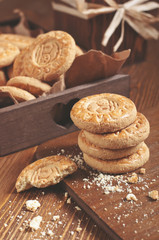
(72, 223)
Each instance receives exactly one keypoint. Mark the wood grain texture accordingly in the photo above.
(14, 216)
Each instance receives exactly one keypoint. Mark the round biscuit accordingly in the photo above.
(50, 55)
(18, 65)
(103, 112)
(19, 94)
(122, 165)
(9, 71)
(104, 153)
(32, 85)
(8, 52)
(130, 136)
(18, 40)
(2, 78)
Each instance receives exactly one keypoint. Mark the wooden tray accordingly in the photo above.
(31, 123)
(112, 212)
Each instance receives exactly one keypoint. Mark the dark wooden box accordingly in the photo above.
(88, 33)
(31, 123)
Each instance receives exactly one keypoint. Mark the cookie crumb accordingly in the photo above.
(66, 194)
(78, 229)
(78, 208)
(49, 232)
(153, 195)
(133, 178)
(72, 233)
(130, 197)
(142, 170)
(56, 217)
(32, 205)
(35, 223)
(68, 201)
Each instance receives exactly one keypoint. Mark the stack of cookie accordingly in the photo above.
(113, 133)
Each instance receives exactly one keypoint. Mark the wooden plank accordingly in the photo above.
(14, 216)
(31, 123)
(112, 212)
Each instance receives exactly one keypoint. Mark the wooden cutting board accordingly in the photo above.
(120, 218)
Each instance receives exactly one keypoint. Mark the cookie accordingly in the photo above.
(45, 172)
(2, 78)
(8, 52)
(18, 65)
(130, 136)
(103, 153)
(103, 112)
(9, 71)
(18, 40)
(19, 94)
(49, 56)
(32, 85)
(123, 165)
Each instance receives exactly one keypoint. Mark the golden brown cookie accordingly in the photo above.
(2, 78)
(130, 136)
(104, 153)
(122, 165)
(103, 112)
(19, 94)
(10, 71)
(8, 52)
(32, 85)
(18, 40)
(45, 172)
(18, 65)
(49, 56)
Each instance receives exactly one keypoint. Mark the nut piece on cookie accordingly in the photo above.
(45, 172)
